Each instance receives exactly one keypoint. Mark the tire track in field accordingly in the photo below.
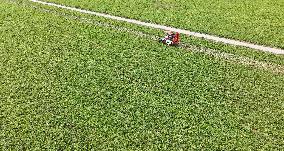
(272, 67)
(157, 26)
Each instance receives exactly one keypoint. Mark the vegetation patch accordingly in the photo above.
(70, 85)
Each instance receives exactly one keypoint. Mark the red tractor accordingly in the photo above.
(171, 39)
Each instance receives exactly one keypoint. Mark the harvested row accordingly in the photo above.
(275, 68)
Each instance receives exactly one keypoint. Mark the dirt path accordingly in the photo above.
(200, 35)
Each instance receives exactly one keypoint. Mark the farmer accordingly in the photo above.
(170, 35)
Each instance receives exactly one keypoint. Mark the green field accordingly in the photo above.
(69, 84)
(254, 21)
